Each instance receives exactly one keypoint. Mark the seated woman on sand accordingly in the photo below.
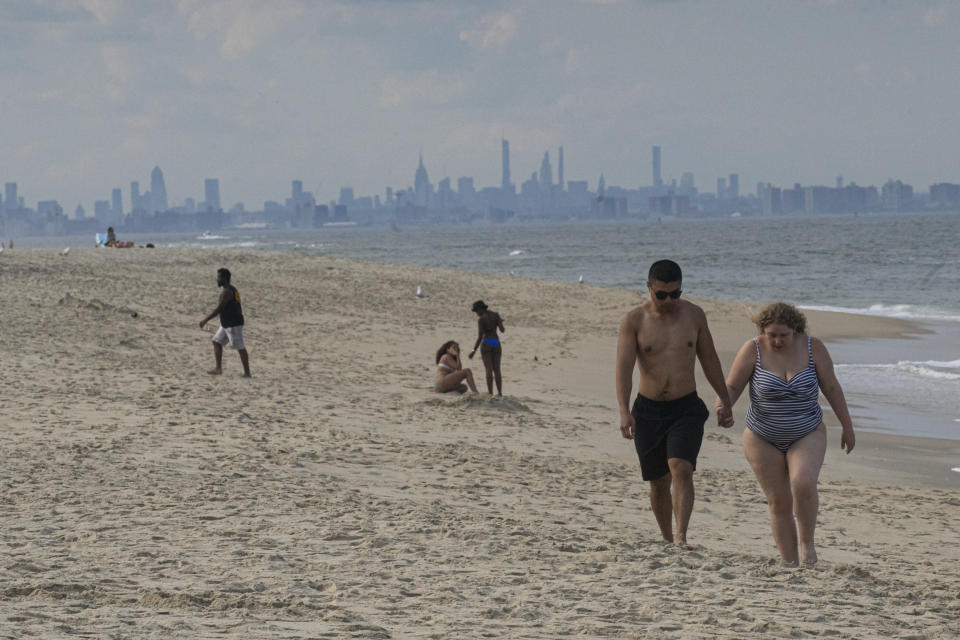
(450, 374)
(785, 439)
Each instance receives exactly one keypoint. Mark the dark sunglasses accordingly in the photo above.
(662, 295)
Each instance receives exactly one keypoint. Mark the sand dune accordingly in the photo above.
(333, 495)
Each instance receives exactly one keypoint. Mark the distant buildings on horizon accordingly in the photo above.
(538, 197)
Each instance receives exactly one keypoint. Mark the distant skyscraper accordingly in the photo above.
(117, 204)
(686, 180)
(79, 213)
(101, 210)
(158, 190)
(10, 196)
(560, 182)
(505, 161)
(721, 188)
(134, 196)
(421, 185)
(734, 188)
(546, 173)
(211, 193)
(839, 182)
(657, 179)
(296, 188)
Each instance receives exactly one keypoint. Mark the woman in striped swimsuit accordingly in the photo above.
(785, 439)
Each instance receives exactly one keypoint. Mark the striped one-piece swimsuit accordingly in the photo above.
(781, 412)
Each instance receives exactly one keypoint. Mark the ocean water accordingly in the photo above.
(903, 266)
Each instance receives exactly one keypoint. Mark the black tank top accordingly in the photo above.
(232, 314)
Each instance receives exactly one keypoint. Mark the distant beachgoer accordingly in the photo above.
(785, 439)
(231, 324)
(111, 238)
(450, 372)
(489, 343)
(663, 338)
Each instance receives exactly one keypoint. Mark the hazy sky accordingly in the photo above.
(94, 93)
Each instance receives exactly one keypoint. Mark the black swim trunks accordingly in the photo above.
(671, 429)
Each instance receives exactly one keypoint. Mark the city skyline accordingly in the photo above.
(539, 196)
(339, 93)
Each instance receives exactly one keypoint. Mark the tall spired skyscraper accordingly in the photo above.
(158, 190)
(505, 155)
(421, 185)
(546, 173)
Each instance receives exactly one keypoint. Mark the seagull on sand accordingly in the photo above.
(420, 292)
(65, 251)
(580, 280)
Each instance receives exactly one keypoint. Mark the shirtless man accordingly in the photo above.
(664, 337)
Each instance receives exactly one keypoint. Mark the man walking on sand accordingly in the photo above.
(663, 337)
(231, 324)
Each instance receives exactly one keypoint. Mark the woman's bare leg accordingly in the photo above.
(487, 354)
(770, 467)
(497, 354)
(450, 381)
(804, 459)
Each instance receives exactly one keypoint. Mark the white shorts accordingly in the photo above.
(233, 335)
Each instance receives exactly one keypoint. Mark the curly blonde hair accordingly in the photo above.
(781, 313)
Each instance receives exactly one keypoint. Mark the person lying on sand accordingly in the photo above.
(450, 373)
(113, 242)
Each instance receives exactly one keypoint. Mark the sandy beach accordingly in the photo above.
(334, 495)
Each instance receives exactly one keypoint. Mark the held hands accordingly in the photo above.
(470, 355)
(724, 415)
(627, 426)
(202, 322)
(847, 439)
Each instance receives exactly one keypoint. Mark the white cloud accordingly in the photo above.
(240, 26)
(494, 31)
(117, 64)
(429, 87)
(194, 76)
(935, 17)
(104, 10)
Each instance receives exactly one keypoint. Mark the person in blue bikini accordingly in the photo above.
(785, 439)
(488, 342)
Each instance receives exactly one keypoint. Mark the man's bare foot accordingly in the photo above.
(680, 541)
(215, 372)
(247, 375)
